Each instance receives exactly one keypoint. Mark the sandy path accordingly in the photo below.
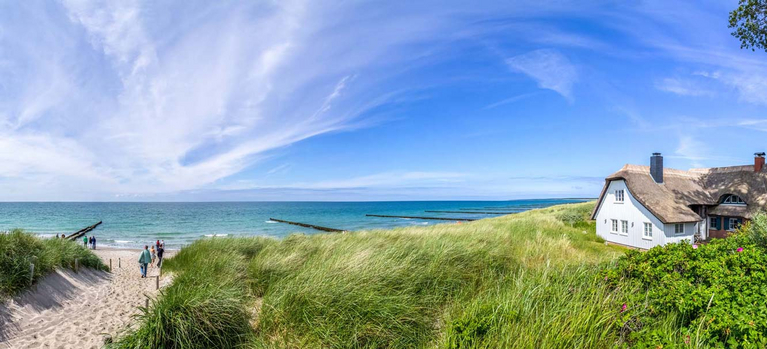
(77, 310)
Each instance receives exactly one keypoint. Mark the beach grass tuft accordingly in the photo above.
(18, 250)
(205, 308)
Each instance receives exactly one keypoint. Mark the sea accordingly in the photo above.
(132, 225)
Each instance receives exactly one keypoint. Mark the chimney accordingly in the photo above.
(656, 167)
(758, 162)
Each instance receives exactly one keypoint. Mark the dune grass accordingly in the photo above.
(514, 281)
(19, 249)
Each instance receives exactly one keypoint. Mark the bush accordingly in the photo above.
(715, 292)
(19, 249)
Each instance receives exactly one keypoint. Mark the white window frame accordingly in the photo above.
(730, 225)
(624, 228)
(619, 196)
(647, 232)
(677, 230)
(614, 226)
(733, 200)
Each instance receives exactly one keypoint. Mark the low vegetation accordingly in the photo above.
(18, 250)
(697, 296)
(448, 285)
(540, 279)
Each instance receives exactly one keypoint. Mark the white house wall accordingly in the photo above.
(671, 236)
(636, 215)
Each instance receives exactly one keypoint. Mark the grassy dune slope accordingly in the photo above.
(19, 249)
(524, 280)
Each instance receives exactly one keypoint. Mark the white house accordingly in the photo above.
(647, 206)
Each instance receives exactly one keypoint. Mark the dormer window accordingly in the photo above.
(619, 195)
(733, 200)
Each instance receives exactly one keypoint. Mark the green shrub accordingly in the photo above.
(715, 292)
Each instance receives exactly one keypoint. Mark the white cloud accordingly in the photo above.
(137, 99)
(682, 87)
(692, 149)
(549, 68)
(509, 100)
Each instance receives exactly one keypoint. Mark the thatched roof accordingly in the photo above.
(671, 200)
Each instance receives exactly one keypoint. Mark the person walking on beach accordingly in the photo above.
(85, 241)
(154, 255)
(94, 242)
(144, 260)
(160, 252)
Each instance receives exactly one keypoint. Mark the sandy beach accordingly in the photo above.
(70, 309)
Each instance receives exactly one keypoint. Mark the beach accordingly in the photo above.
(81, 309)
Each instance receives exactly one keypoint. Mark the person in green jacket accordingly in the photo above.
(144, 260)
(85, 241)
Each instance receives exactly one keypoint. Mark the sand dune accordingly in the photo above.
(78, 310)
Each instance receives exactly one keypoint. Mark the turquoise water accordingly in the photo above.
(130, 225)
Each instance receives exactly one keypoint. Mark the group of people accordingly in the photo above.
(89, 242)
(149, 256)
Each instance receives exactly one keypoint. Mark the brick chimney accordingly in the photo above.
(656, 167)
(758, 162)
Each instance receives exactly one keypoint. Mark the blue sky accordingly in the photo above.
(309, 100)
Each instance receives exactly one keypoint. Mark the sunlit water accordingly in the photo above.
(130, 225)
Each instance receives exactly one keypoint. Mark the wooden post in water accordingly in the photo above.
(332, 230)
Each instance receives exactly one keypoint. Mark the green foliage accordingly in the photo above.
(749, 21)
(19, 249)
(715, 293)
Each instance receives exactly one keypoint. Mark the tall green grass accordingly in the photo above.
(19, 249)
(203, 308)
(512, 281)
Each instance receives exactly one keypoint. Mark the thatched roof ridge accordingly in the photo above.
(671, 200)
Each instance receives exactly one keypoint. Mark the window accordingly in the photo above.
(619, 195)
(647, 231)
(615, 226)
(714, 223)
(733, 200)
(625, 227)
(679, 228)
(733, 224)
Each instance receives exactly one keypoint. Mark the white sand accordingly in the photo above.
(78, 310)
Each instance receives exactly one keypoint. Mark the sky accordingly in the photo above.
(357, 100)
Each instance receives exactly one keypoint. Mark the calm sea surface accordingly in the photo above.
(130, 225)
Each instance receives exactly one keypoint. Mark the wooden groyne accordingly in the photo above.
(472, 212)
(83, 231)
(331, 230)
(416, 217)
